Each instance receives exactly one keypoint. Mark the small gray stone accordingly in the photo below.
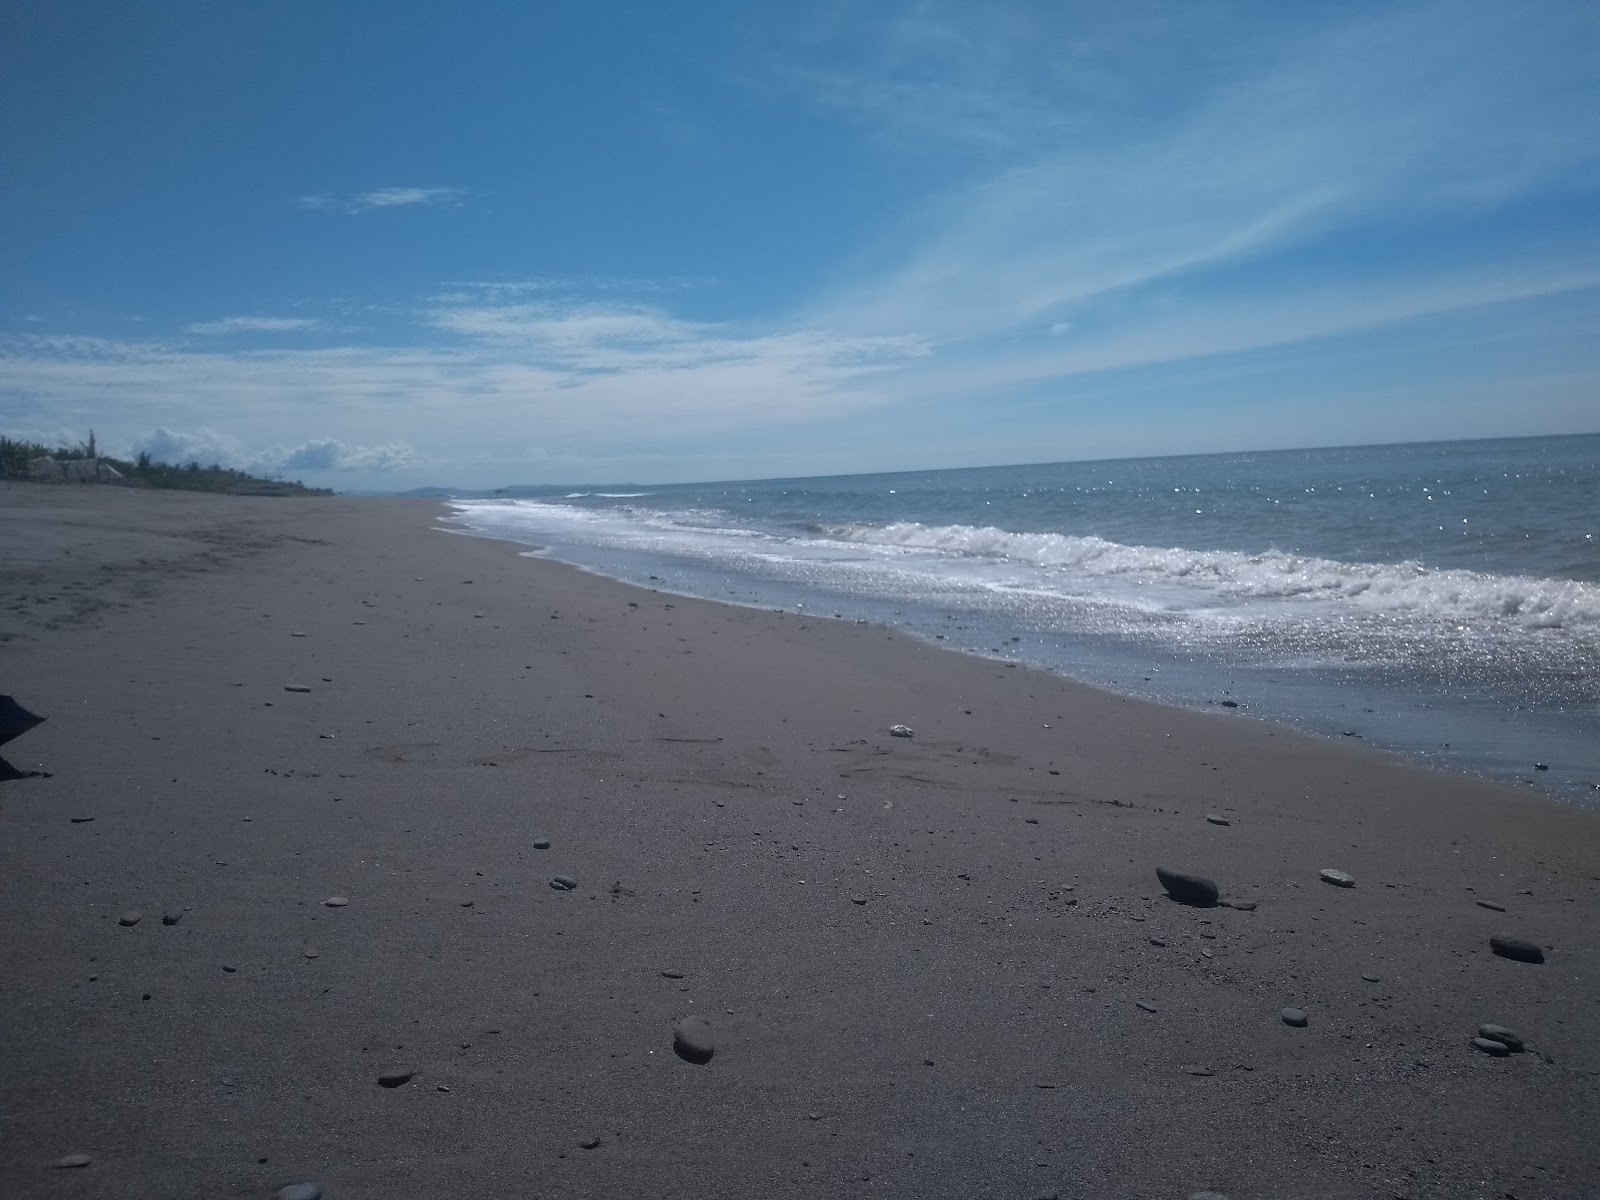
(396, 1077)
(1214, 819)
(1188, 889)
(80, 820)
(1490, 1046)
(295, 687)
(171, 915)
(563, 883)
(1241, 905)
(468, 903)
(130, 918)
(589, 1143)
(73, 1160)
(1516, 948)
(313, 953)
(228, 968)
(900, 731)
(1147, 1006)
(1293, 1016)
(335, 902)
(1508, 1038)
(1490, 905)
(1371, 978)
(1337, 878)
(692, 1039)
(541, 843)
(301, 1191)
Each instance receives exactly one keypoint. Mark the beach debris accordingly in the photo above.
(1295, 1017)
(541, 843)
(1188, 889)
(1490, 905)
(336, 902)
(171, 915)
(1337, 878)
(300, 1191)
(396, 1077)
(901, 731)
(72, 1160)
(15, 720)
(1508, 1038)
(130, 918)
(692, 1039)
(563, 883)
(1214, 819)
(295, 687)
(1490, 1046)
(1510, 947)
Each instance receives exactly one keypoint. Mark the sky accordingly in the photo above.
(377, 245)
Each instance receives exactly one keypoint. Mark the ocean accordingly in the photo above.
(1437, 599)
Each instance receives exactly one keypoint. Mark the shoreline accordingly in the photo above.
(1396, 733)
(938, 965)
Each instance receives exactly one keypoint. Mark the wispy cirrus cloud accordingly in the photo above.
(227, 325)
(390, 197)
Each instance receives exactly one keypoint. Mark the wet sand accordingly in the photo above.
(923, 959)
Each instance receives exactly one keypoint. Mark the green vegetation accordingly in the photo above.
(144, 472)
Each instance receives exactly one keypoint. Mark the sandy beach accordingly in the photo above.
(935, 966)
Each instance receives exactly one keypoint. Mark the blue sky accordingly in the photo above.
(376, 245)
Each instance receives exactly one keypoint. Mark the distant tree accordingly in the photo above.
(144, 460)
(93, 451)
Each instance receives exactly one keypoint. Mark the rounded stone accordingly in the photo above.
(1370, 977)
(396, 1077)
(295, 687)
(1490, 1046)
(541, 843)
(1508, 1038)
(1214, 819)
(1516, 948)
(336, 902)
(171, 915)
(1295, 1017)
(692, 1040)
(563, 883)
(589, 1143)
(1188, 889)
(1337, 878)
(130, 918)
(300, 1191)
(73, 1160)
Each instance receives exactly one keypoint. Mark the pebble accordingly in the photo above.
(1188, 889)
(589, 1143)
(672, 974)
(1157, 942)
(312, 953)
(130, 918)
(1216, 820)
(1490, 1046)
(80, 820)
(541, 843)
(692, 1039)
(1337, 878)
(295, 687)
(336, 902)
(468, 903)
(393, 1079)
(858, 899)
(171, 915)
(1490, 905)
(1201, 1071)
(1147, 1006)
(1508, 947)
(1499, 1033)
(1370, 978)
(1241, 905)
(73, 1160)
(301, 1191)
(1293, 1016)
(229, 968)
(563, 883)
(900, 731)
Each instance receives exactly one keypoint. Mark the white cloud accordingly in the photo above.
(253, 325)
(330, 454)
(389, 197)
(181, 447)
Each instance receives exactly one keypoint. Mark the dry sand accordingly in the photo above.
(923, 959)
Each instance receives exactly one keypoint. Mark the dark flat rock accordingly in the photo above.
(80, 820)
(171, 915)
(1371, 978)
(130, 918)
(589, 1143)
(1490, 905)
(1516, 948)
(396, 1077)
(1295, 1017)
(1490, 1046)
(1214, 819)
(72, 1160)
(295, 687)
(693, 1041)
(1337, 878)
(1508, 1038)
(541, 843)
(1188, 889)
(1146, 1005)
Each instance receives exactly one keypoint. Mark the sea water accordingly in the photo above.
(1439, 599)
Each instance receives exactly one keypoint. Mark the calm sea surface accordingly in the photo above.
(1441, 599)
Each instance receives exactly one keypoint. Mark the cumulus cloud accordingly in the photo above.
(252, 325)
(389, 197)
(193, 445)
(330, 454)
